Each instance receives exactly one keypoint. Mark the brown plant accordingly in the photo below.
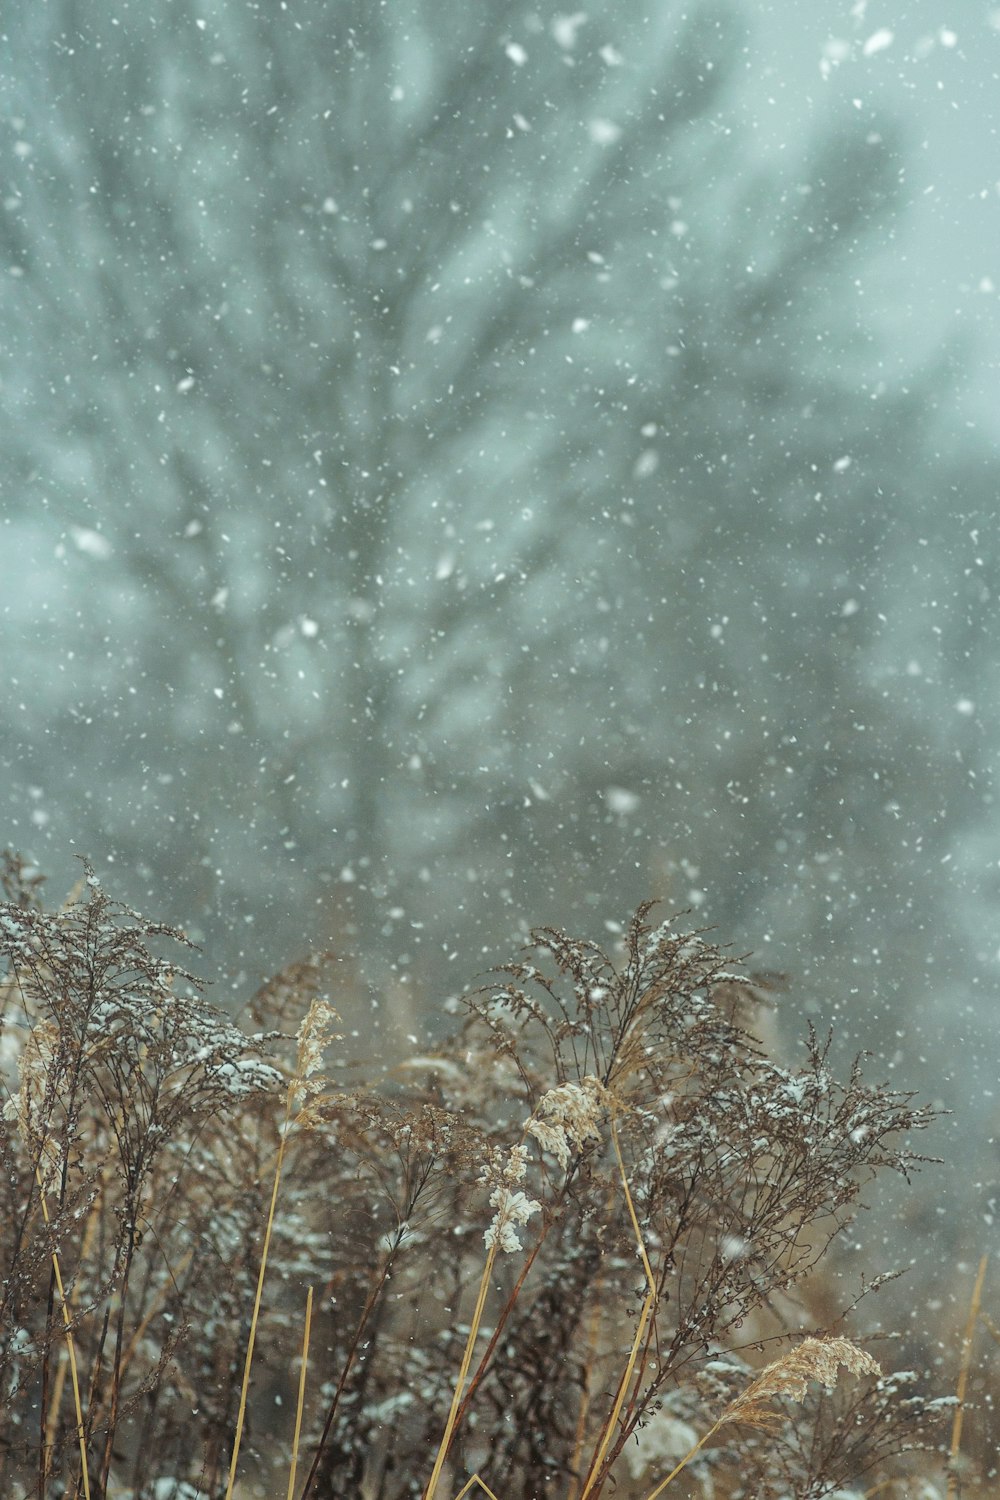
(534, 1258)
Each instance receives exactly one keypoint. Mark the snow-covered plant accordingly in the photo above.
(562, 1252)
(117, 1054)
(681, 1173)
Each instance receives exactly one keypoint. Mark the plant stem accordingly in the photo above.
(963, 1377)
(252, 1339)
(594, 1477)
(71, 1350)
(302, 1395)
(449, 1429)
(359, 1332)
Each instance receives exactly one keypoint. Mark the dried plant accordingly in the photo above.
(535, 1261)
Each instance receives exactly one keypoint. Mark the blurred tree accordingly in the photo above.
(461, 484)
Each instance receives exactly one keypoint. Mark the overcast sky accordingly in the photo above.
(935, 65)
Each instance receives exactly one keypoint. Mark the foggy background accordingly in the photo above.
(474, 466)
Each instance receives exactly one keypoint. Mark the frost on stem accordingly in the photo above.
(513, 1207)
(513, 1210)
(26, 1108)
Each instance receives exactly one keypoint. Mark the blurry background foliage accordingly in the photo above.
(455, 480)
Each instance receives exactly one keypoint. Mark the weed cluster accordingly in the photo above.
(550, 1256)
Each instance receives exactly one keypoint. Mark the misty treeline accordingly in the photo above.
(460, 479)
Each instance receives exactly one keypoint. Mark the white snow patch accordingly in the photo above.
(878, 41)
(176, 1489)
(565, 28)
(620, 800)
(604, 132)
(660, 1441)
(835, 51)
(91, 543)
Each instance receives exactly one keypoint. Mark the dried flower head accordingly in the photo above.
(316, 1033)
(814, 1359)
(569, 1116)
(513, 1210)
(505, 1169)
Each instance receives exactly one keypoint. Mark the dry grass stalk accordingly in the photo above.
(315, 1034)
(474, 1481)
(955, 1446)
(301, 1397)
(71, 1355)
(785, 1378)
(649, 1303)
(463, 1374)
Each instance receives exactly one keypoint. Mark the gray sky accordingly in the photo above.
(935, 65)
